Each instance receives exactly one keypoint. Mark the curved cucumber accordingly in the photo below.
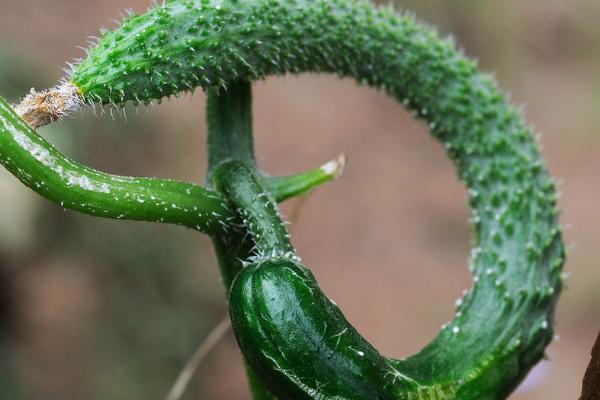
(504, 323)
(301, 345)
(44, 169)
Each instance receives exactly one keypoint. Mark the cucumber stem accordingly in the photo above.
(285, 187)
(229, 121)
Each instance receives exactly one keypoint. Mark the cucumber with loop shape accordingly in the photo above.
(281, 318)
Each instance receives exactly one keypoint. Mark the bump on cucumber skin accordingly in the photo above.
(505, 321)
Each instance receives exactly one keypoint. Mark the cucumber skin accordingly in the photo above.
(280, 316)
(302, 347)
(504, 323)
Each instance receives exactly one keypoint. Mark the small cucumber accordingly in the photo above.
(301, 345)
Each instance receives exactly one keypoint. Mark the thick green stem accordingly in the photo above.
(229, 120)
(258, 210)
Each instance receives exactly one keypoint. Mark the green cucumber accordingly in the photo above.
(40, 166)
(301, 345)
(504, 323)
(43, 168)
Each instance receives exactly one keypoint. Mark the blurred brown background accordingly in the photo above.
(101, 309)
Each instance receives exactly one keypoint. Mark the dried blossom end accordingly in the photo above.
(42, 108)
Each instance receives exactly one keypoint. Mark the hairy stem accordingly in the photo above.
(257, 209)
(229, 119)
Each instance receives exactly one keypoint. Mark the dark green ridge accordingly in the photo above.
(40, 166)
(504, 323)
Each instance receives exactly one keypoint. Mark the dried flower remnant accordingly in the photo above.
(42, 108)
